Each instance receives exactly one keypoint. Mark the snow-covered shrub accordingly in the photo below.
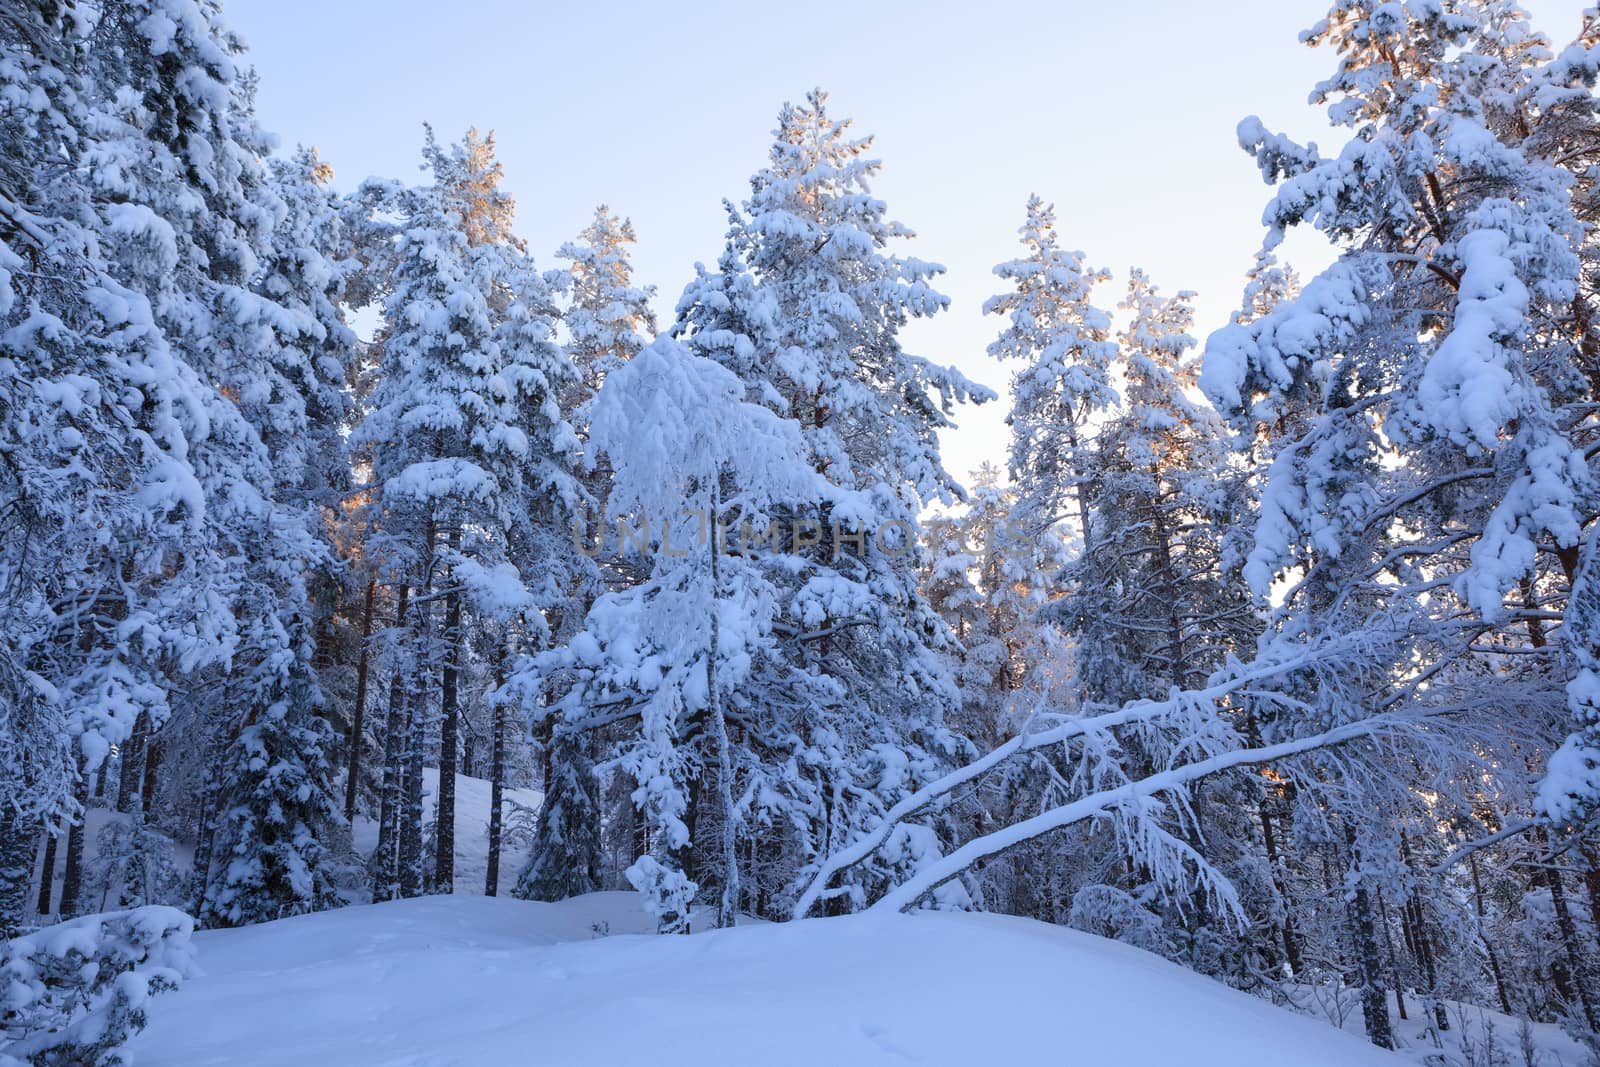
(668, 894)
(1109, 912)
(134, 866)
(74, 993)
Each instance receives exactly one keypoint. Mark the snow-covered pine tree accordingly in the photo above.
(1151, 606)
(608, 320)
(688, 649)
(236, 275)
(1415, 390)
(152, 311)
(991, 582)
(467, 443)
(807, 310)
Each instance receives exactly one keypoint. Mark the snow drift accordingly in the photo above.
(483, 981)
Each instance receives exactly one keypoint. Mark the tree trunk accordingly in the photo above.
(1368, 956)
(1394, 959)
(152, 763)
(47, 874)
(1576, 979)
(728, 911)
(1591, 884)
(359, 713)
(1415, 920)
(444, 859)
(130, 757)
(497, 779)
(385, 858)
(411, 822)
(1269, 838)
(72, 877)
(1483, 936)
(201, 875)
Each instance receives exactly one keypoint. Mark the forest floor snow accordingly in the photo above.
(475, 980)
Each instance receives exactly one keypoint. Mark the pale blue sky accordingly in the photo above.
(1122, 114)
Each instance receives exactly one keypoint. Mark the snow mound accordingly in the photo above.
(483, 981)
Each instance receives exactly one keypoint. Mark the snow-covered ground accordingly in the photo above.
(1474, 1031)
(471, 980)
(474, 980)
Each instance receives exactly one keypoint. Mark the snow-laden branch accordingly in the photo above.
(1072, 728)
(1108, 801)
(1504, 834)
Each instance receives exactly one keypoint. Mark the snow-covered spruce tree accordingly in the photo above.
(1432, 358)
(564, 859)
(276, 800)
(608, 318)
(806, 308)
(1062, 343)
(468, 446)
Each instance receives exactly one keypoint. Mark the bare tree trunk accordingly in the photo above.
(1591, 883)
(412, 877)
(444, 859)
(1394, 959)
(1483, 936)
(497, 779)
(1415, 921)
(72, 877)
(1368, 956)
(47, 876)
(1269, 839)
(385, 858)
(1576, 979)
(152, 764)
(201, 874)
(359, 712)
(728, 912)
(130, 757)
(411, 822)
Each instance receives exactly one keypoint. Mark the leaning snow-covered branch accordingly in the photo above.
(1227, 684)
(1108, 801)
(1505, 833)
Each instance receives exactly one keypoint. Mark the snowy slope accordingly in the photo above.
(481, 981)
